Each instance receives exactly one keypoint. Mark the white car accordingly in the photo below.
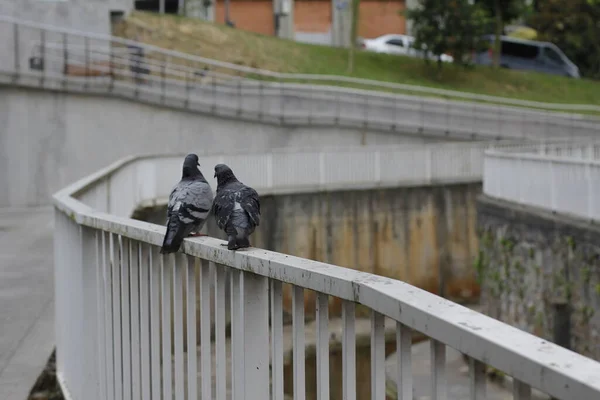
(397, 44)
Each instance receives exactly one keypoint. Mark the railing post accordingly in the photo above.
(552, 187)
(338, 107)
(214, 93)
(366, 113)
(76, 293)
(422, 116)
(16, 52)
(438, 370)
(447, 104)
(43, 54)
(321, 168)
(111, 71)
(395, 120)
(239, 99)
(590, 189)
(521, 391)
(378, 167)
(281, 103)
(299, 340)
(428, 164)
(270, 170)
(90, 328)
(162, 80)
(187, 90)
(61, 284)
(255, 307)
(87, 60)
(310, 103)
(477, 379)
(349, 350)
(65, 59)
(260, 100)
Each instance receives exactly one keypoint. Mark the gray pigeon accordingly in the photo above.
(236, 208)
(189, 205)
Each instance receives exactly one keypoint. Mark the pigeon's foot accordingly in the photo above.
(243, 243)
(231, 243)
(197, 234)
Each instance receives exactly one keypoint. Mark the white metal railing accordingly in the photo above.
(562, 178)
(256, 72)
(116, 297)
(71, 60)
(307, 170)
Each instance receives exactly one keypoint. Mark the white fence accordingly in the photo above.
(61, 59)
(561, 178)
(149, 180)
(116, 297)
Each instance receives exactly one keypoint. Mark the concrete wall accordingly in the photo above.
(541, 273)
(85, 15)
(49, 139)
(414, 234)
(90, 16)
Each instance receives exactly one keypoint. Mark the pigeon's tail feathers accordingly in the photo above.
(174, 236)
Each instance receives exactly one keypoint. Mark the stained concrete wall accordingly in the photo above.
(419, 235)
(50, 139)
(91, 16)
(541, 273)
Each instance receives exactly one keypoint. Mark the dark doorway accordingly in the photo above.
(171, 6)
(116, 17)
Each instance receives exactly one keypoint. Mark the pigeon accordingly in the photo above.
(189, 205)
(236, 208)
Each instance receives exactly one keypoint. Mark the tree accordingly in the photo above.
(502, 12)
(573, 26)
(441, 26)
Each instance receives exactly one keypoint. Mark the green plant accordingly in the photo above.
(586, 274)
(571, 242)
(479, 264)
(502, 12)
(487, 239)
(454, 27)
(508, 244)
(572, 26)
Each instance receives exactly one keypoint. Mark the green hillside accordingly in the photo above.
(250, 49)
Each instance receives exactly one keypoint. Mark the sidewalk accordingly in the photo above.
(26, 298)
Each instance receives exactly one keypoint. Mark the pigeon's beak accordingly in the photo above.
(198, 164)
(215, 175)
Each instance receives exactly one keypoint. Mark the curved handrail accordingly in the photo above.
(312, 77)
(550, 368)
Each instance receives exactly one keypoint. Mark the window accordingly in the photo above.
(395, 42)
(553, 56)
(519, 50)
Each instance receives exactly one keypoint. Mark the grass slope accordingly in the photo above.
(245, 48)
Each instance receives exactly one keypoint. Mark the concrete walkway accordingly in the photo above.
(26, 298)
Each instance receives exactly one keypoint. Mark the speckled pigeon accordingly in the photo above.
(236, 208)
(189, 205)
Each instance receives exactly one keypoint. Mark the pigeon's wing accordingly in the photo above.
(191, 201)
(249, 201)
(197, 202)
(223, 207)
(174, 194)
